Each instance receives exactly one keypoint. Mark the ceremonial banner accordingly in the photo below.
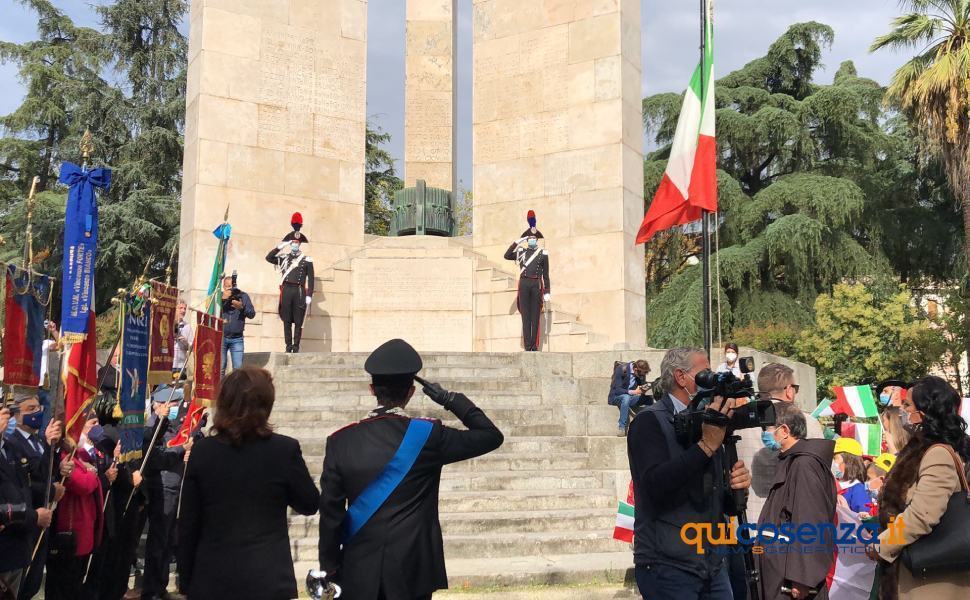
(80, 380)
(162, 339)
(208, 371)
(80, 248)
(213, 300)
(134, 373)
(23, 334)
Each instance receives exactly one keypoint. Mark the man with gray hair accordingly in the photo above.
(677, 484)
(802, 492)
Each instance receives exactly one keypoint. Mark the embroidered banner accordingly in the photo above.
(208, 371)
(81, 380)
(134, 375)
(80, 247)
(23, 333)
(162, 338)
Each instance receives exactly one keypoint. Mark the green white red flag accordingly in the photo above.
(689, 185)
(624, 519)
(869, 435)
(855, 401)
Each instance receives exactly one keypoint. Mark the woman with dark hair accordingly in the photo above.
(730, 360)
(919, 487)
(234, 540)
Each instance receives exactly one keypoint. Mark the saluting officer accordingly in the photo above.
(534, 286)
(380, 538)
(296, 282)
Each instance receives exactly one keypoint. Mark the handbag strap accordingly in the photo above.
(958, 464)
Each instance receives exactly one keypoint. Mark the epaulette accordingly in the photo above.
(545, 252)
(429, 419)
(308, 259)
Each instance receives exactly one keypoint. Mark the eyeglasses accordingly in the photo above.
(795, 386)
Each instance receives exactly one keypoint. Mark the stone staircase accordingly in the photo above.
(539, 510)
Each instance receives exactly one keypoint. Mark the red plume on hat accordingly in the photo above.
(296, 221)
(531, 218)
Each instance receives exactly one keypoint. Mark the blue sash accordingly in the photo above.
(379, 490)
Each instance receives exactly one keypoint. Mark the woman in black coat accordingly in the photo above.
(233, 536)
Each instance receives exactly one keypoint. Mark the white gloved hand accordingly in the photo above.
(283, 246)
(309, 299)
(520, 240)
(546, 297)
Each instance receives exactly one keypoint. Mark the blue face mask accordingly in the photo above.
(533, 243)
(173, 413)
(11, 426)
(33, 420)
(884, 399)
(294, 248)
(768, 439)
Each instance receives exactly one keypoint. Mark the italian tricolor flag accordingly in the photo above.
(856, 401)
(624, 519)
(869, 435)
(689, 184)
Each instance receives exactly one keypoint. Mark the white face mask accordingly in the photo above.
(837, 470)
(731, 357)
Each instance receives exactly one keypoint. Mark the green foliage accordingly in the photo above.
(778, 339)
(380, 183)
(861, 336)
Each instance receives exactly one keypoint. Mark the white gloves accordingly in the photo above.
(546, 297)
(520, 240)
(283, 246)
(309, 299)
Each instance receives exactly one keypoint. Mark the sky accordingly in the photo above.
(743, 31)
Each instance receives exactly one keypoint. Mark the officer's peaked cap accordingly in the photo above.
(528, 233)
(296, 235)
(393, 361)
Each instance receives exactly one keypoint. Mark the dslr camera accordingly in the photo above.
(688, 424)
(234, 294)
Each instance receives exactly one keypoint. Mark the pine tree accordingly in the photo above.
(380, 183)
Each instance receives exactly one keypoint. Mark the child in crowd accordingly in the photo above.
(850, 473)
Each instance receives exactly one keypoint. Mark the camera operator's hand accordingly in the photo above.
(740, 476)
(438, 394)
(636, 392)
(712, 436)
(237, 304)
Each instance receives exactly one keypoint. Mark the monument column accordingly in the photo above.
(557, 128)
(428, 93)
(275, 124)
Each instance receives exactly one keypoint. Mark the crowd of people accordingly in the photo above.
(903, 493)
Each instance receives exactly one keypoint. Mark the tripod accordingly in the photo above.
(740, 497)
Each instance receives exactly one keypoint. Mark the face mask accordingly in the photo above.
(731, 357)
(837, 470)
(768, 439)
(884, 399)
(294, 248)
(908, 425)
(533, 243)
(173, 413)
(34, 420)
(11, 426)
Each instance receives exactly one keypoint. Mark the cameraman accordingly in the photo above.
(676, 485)
(627, 390)
(236, 308)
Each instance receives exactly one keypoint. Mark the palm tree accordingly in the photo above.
(933, 88)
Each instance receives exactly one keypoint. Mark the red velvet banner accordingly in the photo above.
(162, 339)
(81, 381)
(23, 333)
(208, 371)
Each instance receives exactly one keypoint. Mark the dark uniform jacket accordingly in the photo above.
(15, 546)
(803, 491)
(399, 550)
(34, 464)
(538, 268)
(301, 275)
(233, 533)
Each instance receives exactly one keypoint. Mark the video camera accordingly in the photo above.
(688, 424)
(234, 294)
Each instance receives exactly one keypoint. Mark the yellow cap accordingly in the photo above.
(849, 446)
(885, 461)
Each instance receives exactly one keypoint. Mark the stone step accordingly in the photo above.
(461, 502)
(304, 415)
(500, 544)
(533, 445)
(325, 385)
(304, 431)
(300, 373)
(456, 480)
(458, 524)
(418, 406)
(429, 359)
(498, 462)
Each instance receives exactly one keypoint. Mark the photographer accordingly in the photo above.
(677, 484)
(627, 390)
(236, 308)
(183, 341)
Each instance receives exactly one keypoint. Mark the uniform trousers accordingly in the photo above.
(162, 506)
(530, 307)
(65, 571)
(292, 313)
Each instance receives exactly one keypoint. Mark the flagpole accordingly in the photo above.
(705, 214)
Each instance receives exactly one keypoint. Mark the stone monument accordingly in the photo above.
(276, 121)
